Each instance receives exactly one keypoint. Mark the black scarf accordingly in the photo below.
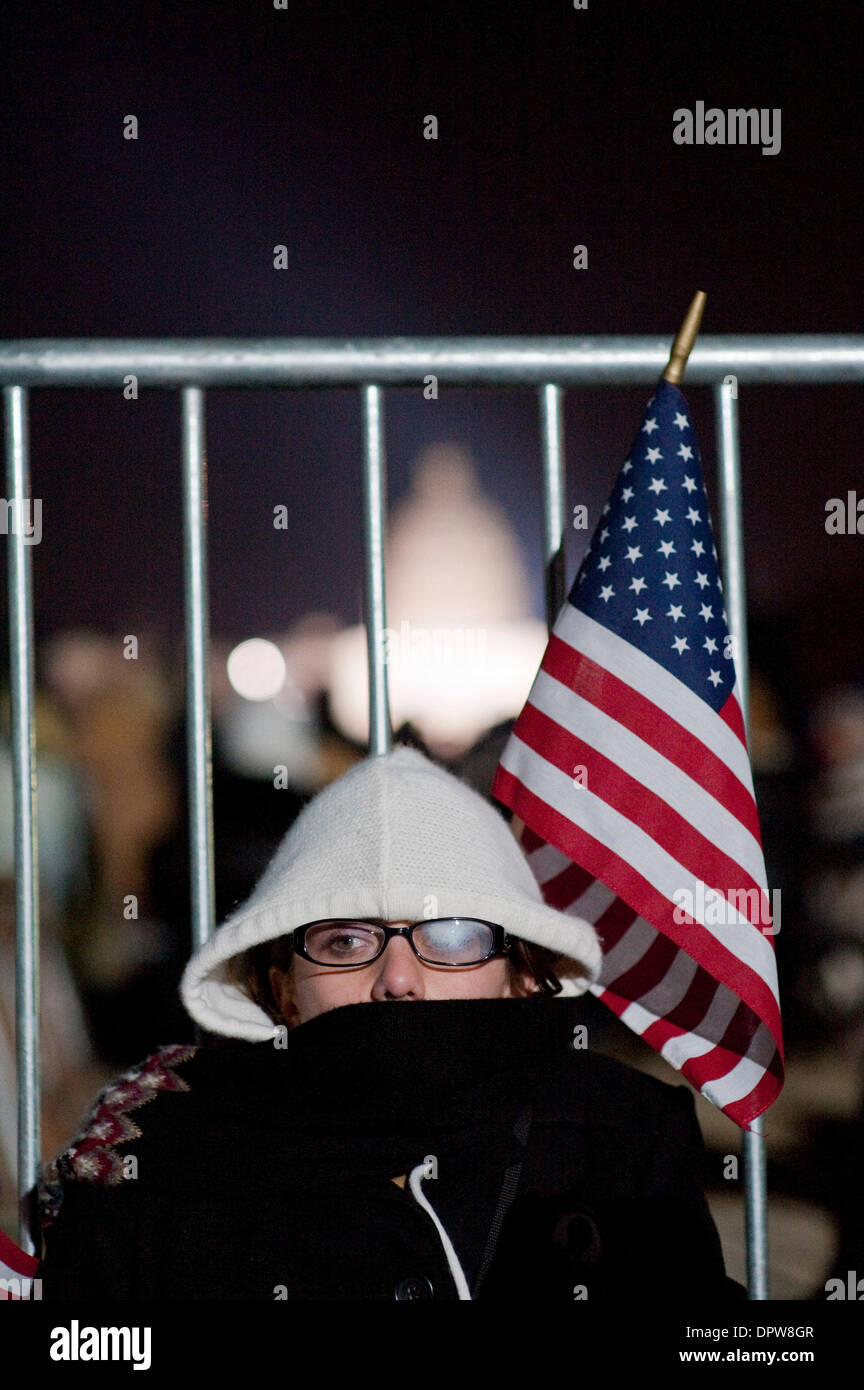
(367, 1092)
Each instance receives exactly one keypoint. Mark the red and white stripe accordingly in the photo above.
(17, 1271)
(667, 805)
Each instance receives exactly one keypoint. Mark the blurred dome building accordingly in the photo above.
(461, 645)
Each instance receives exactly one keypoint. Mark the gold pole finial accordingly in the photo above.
(684, 340)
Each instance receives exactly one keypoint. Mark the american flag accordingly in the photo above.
(17, 1271)
(629, 768)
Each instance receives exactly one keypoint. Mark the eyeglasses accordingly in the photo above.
(450, 941)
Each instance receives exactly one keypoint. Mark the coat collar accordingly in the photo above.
(366, 1092)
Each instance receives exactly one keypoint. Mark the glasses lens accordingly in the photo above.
(454, 940)
(343, 943)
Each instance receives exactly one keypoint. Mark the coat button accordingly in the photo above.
(417, 1286)
(577, 1232)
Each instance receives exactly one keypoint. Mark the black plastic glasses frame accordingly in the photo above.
(500, 946)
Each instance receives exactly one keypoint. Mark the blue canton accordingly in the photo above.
(651, 574)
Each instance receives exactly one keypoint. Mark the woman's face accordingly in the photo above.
(306, 990)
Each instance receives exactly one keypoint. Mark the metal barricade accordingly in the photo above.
(191, 365)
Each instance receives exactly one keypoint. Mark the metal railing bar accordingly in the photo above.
(251, 362)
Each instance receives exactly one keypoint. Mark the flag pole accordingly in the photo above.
(684, 340)
(753, 1140)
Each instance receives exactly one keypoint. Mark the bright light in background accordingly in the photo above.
(256, 669)
(462, 646)
(449, 693)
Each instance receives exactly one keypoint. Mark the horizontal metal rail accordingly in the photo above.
(250, 362)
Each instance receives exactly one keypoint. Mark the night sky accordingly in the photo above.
(304, 126)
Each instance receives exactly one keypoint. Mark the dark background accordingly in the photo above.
(304, 126)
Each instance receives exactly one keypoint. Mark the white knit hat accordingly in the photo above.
(395, 837)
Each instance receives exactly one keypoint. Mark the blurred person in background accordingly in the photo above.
(835, 979)
(118, 704)
(69, 1066)
(836, 880)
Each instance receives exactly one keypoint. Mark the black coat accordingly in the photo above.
(247, 1171)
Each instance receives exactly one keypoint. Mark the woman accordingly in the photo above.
(313, 1148)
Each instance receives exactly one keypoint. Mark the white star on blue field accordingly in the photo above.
(651, 574)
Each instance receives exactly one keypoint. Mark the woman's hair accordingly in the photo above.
(251, 970)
